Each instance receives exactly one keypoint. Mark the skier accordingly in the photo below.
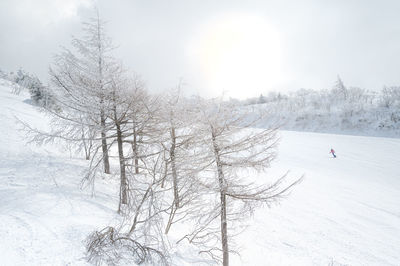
(333, 153)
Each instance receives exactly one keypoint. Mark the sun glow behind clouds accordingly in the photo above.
(238, 55)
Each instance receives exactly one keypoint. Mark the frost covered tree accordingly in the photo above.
(141, 122)
(120, 106)
(40, 94)
(82, 79)
(230, 154)
(133, 123)
(261, 99)
(390, 96)
(139, 237)
(176, 125)
(339, 91)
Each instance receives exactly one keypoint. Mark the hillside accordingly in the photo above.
(44, 216)
(345, 212)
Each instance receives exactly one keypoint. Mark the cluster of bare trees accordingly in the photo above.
(179, 161)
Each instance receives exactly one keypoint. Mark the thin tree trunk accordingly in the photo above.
(165, 172)
(134, 148)
(173, 168)
(123, 186)
(104, 143)
(86, 146)
(102, 115)
(222, 188)
(90, 145)
(133, 227)
(224, 230)
(170, 219)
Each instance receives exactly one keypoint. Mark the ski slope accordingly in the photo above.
(345, 212)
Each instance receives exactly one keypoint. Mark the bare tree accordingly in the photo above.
(176, 121)
(139, 237)
(232, 152)
(141, 119)
(120, 108)
(82, 81)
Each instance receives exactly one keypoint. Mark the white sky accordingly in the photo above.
(242, 48)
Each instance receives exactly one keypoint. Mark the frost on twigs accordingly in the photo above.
(109, 247)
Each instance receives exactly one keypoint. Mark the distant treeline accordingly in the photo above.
(342, 109)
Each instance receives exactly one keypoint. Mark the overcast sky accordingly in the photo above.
(242, 48)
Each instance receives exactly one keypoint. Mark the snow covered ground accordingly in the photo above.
(44, 216)
(345, 212)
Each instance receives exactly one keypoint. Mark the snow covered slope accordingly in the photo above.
(44, 216)
(345, 212)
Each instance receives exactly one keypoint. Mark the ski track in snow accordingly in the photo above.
(345, 212)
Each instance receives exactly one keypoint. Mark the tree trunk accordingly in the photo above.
(134, 149)
(224, 230)
(102, 115)
(222, 188)
(86, 146)
(123, 186)
(133, 227)
(170, 219)
(104, 143)
(165, 171)
(173, 168)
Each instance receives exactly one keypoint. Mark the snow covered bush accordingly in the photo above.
(40, 94)
(110, 247)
